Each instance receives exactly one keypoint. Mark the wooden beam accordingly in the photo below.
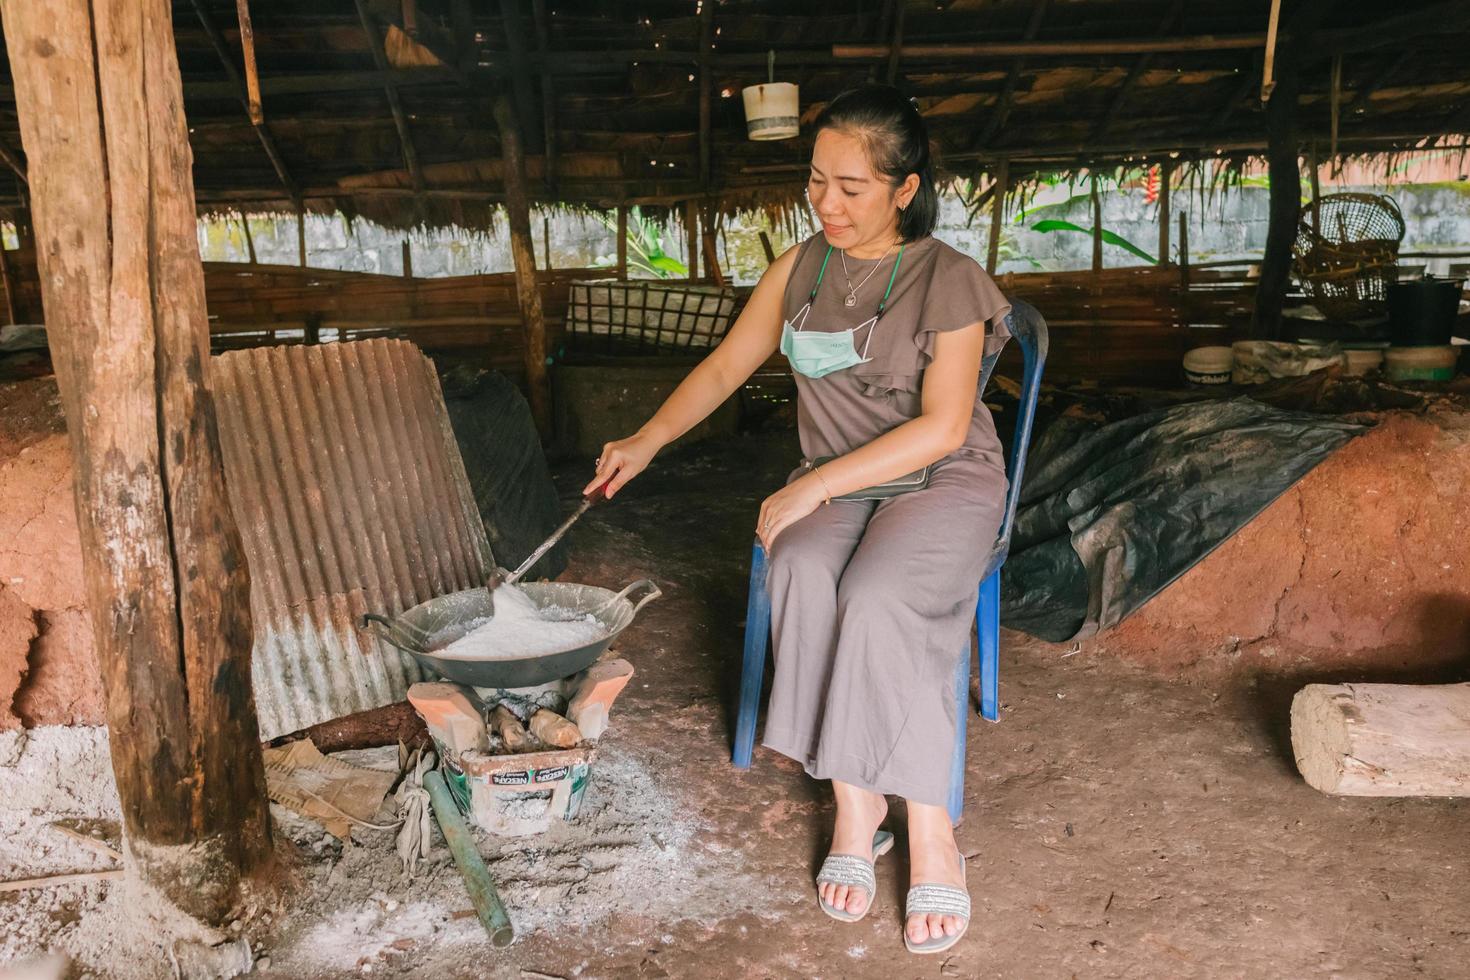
(548, 96)
(251, 102)
(1378, 79)
(1248, 81)
(1013, 77)
(1043, 49)
(1383, 739)
(998, 189)
(528, 295)
(247, 48)
(884, 32)
(407, 259)
(301, 236)
(1441, 18)
(706, 87)
(390, 89)
(622, 241)
(8, 157)
(766, 247)
(9, 288)
(520, 69)
(167, 586)
(1169, 24)
(1183, 270)
(895, 49)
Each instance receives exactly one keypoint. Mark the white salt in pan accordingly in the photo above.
(519, 629)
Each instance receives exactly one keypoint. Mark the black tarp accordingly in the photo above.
(1111, 515)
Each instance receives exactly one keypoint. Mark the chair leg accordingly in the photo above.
(988, 628)
(753, 670)
(956, 803)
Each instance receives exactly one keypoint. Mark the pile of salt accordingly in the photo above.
(521, 629)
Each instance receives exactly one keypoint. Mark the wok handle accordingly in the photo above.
(399, 634)
(654, 593)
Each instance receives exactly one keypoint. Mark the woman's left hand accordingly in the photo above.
(787, 506)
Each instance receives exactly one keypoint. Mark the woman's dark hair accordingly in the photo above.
(893, 134)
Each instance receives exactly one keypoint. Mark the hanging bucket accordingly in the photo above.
(771, 111)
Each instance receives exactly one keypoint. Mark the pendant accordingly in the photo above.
(850, 301)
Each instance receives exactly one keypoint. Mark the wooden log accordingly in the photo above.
(52, 881)
(766, 247)
(552, 729)
(528, 297)
(1383, 739)
(166, 580)
(247, 48)
(511, 731)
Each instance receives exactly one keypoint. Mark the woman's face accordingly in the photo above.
(857, 207)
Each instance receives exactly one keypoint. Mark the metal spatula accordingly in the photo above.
(499, 577)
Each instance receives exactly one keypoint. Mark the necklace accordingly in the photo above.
(852, 290)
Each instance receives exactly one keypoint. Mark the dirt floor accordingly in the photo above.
(1120, 821)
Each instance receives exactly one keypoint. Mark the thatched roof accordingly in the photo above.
(609, 92)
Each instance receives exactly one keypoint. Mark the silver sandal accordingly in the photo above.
(937, 900)
(854, 872)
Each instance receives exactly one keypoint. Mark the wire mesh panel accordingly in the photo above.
(619, 317)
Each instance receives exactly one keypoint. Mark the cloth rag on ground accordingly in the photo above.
(334, 792)
(1109, 516)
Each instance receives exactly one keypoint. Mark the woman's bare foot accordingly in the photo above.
(859, 812)
(933, 860)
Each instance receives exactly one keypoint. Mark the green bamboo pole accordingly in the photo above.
(477, 879)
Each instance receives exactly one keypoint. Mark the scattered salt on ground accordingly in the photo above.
(634, 850)
(520, 628)
(115, 929)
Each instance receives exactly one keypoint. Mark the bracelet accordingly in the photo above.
(817, 472)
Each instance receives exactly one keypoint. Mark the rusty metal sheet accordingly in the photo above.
(351, 496)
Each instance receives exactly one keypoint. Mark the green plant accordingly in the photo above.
(1112, 238)
(645, 247)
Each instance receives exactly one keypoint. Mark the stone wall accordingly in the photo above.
(1221, 225)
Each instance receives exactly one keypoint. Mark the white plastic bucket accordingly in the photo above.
(1208, 365)
(1361, 362)
(1420, 363)
(772, 111)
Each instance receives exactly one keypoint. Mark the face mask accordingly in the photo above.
(816, 354)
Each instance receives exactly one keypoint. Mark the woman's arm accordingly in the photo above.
(752, 339)
(947, 405)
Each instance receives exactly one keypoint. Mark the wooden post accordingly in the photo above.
(1284, 166)
(123, 290)
(766, 247)
(528, 292)
(622, 241)
(249, 239)
(9, 290)
(301, 234)
(691, 238)
(711, 257)
(548, 101)
(997, 214)
(407, 259)
(1166, 181)
(312, 333)
(1183, 270)
(706, 83)
(1097, 224)
(546, 240)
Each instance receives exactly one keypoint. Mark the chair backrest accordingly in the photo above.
(1029, 330)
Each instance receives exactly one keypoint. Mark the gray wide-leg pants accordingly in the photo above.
(872, 603)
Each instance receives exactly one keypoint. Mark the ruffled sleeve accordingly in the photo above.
(960, 294)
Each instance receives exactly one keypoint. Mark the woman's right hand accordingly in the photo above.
(621, 461)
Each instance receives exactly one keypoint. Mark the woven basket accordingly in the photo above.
(1346, 253)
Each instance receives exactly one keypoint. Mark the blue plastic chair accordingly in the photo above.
(1029, 330)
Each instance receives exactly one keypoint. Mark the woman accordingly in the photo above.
(871, 600)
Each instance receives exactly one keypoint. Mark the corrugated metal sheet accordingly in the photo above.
(351, 496)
